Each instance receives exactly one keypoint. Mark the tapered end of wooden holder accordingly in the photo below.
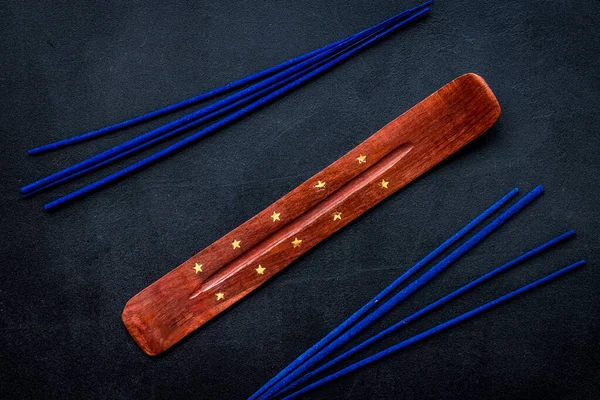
(227, 270)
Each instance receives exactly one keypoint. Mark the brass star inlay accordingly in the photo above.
(384, 184)
(220, 296)
(260, 270)
(236, 244)
(361, 159)
(297, 242)
(198, 268)
(337, 215)
(320, 185)
(275, 216)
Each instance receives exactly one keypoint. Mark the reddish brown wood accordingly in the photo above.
(183, 300)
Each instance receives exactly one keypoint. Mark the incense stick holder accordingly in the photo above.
(245, 258)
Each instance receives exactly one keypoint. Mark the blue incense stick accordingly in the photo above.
(389, 289)
(204, 96)
(429, 308)
(439, 328)
(179, 130)
(184, 128)
(223, 122)
(404, 293)
(198, 113)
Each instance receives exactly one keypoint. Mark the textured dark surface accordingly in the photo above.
(68, 68)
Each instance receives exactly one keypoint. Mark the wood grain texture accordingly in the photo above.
(230, 268)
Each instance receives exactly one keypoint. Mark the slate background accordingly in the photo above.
(68, 67)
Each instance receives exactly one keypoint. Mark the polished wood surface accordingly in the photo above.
(230, 268)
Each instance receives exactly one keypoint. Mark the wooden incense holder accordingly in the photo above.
(233, 266)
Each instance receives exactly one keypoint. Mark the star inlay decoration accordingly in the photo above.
(220, 296)
(297, 242)
(320, 185)
(198, 267)
(337, 215)
(361, 159)
(384, 184)
(260, 270)
(236, 244)
(275, 216)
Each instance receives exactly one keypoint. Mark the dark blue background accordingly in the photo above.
(67, 68)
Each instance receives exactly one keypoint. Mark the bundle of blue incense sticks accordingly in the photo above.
(301, 376)
(253, 92)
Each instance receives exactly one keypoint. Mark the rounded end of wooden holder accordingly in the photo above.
(479, 81)
(139, 332)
